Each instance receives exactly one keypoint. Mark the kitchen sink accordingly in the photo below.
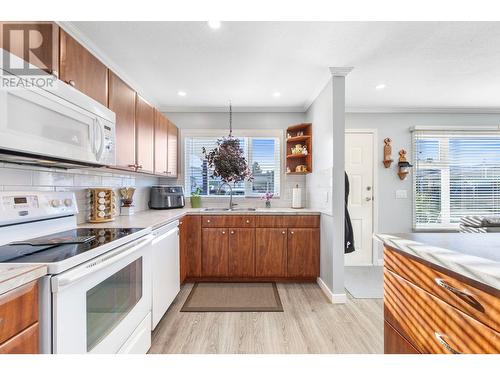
(216, 209)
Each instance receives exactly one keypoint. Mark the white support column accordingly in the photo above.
(338, 180)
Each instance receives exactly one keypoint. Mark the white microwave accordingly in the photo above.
(54, 125)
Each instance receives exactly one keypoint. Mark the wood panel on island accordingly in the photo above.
(250, 247)
(430, 310)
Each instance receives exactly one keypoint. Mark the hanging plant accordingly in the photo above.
(227, 160)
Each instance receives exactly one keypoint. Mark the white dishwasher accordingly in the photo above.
(166, 269)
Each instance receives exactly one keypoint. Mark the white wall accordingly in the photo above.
(395, 215)
(241, 121)
(14, 177)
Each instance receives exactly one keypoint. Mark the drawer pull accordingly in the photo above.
(232, 232)
(248, 221)
(442, 341)
(208, 221)
(467, 297)
(223, 232)
(283, 232)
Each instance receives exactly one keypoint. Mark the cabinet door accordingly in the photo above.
(144, 131)
(25, 342)
(173, 134)
(122, 103)
(241, 252)
(270, 252)
(161, 143)
(192, 225)
(44, 35)
(81, 69)
(215, 246)
(303, 252)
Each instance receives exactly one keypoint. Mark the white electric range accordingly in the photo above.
(96, 297)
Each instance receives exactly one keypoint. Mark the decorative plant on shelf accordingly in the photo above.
(268, 196)
(227, 160)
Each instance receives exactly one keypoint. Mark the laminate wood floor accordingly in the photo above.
(309, 324)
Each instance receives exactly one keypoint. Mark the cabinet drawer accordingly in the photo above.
(394, 343)
(477, 303)
(25, 342)
(287, 221)
(228, 221)
(432, 325)
(18, 310)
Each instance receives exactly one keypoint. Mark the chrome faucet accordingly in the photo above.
(231, 204)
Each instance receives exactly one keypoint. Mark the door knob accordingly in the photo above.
(368, 199)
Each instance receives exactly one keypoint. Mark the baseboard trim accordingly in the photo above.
(333, 298)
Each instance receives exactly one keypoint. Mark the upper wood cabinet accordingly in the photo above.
(173, 134)
(161, 144)
(303, 252)
(43, 39)
(82, 70)
(122, 102)
(144, 130)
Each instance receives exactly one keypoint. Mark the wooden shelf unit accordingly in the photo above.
(293, 160)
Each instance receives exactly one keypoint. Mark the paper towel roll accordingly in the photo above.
(296, 197)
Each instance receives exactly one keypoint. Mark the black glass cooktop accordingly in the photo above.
(60, 246)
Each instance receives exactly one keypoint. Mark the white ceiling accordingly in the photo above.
(424, 64)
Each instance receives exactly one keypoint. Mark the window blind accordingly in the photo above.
(456, 173)
(263, 157)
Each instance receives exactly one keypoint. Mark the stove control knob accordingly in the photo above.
(68, 202)
(55, 203)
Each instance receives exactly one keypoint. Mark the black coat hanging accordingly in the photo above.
(349, 234)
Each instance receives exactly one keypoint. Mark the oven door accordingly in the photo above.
(98, 305)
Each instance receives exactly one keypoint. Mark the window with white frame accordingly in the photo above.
(456, 174)
(263, 157)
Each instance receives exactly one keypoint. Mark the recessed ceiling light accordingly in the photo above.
(214, 24)
(277, 94)
(181, 93)
(380, 86)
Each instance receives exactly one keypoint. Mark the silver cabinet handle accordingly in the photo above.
(223, 232)
(284, 232)
(208, 221)
(232, 232)
(291, 232)
(442, 341)
(248, 221)
(462, 294)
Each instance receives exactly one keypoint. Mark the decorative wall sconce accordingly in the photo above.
(387, 153)
(403, 165)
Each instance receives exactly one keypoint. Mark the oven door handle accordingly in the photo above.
(103, 261)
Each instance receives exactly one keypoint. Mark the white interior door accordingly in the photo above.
(360, 168)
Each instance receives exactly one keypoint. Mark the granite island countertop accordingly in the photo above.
(472, 255)
(16, 275)
(156, 218)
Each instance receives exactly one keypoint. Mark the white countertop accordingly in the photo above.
(15, 275)
(156, 218)
(473, 255)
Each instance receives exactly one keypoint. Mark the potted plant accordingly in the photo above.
(268, 196)
(196, 198)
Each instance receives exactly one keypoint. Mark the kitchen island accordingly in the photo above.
(441, 293)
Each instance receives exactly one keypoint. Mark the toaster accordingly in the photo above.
(163, 197)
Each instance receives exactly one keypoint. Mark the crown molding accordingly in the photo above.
(451, 110)
(235, 109)
(79, 36)
(340, 71)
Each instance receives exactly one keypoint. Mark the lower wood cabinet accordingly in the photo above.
(241, 252)
(239, 247)
(303, 252)
(214, 252)
(270, 252)
(394, 343)
(19, 320)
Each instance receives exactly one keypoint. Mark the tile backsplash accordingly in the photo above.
(14, 177)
